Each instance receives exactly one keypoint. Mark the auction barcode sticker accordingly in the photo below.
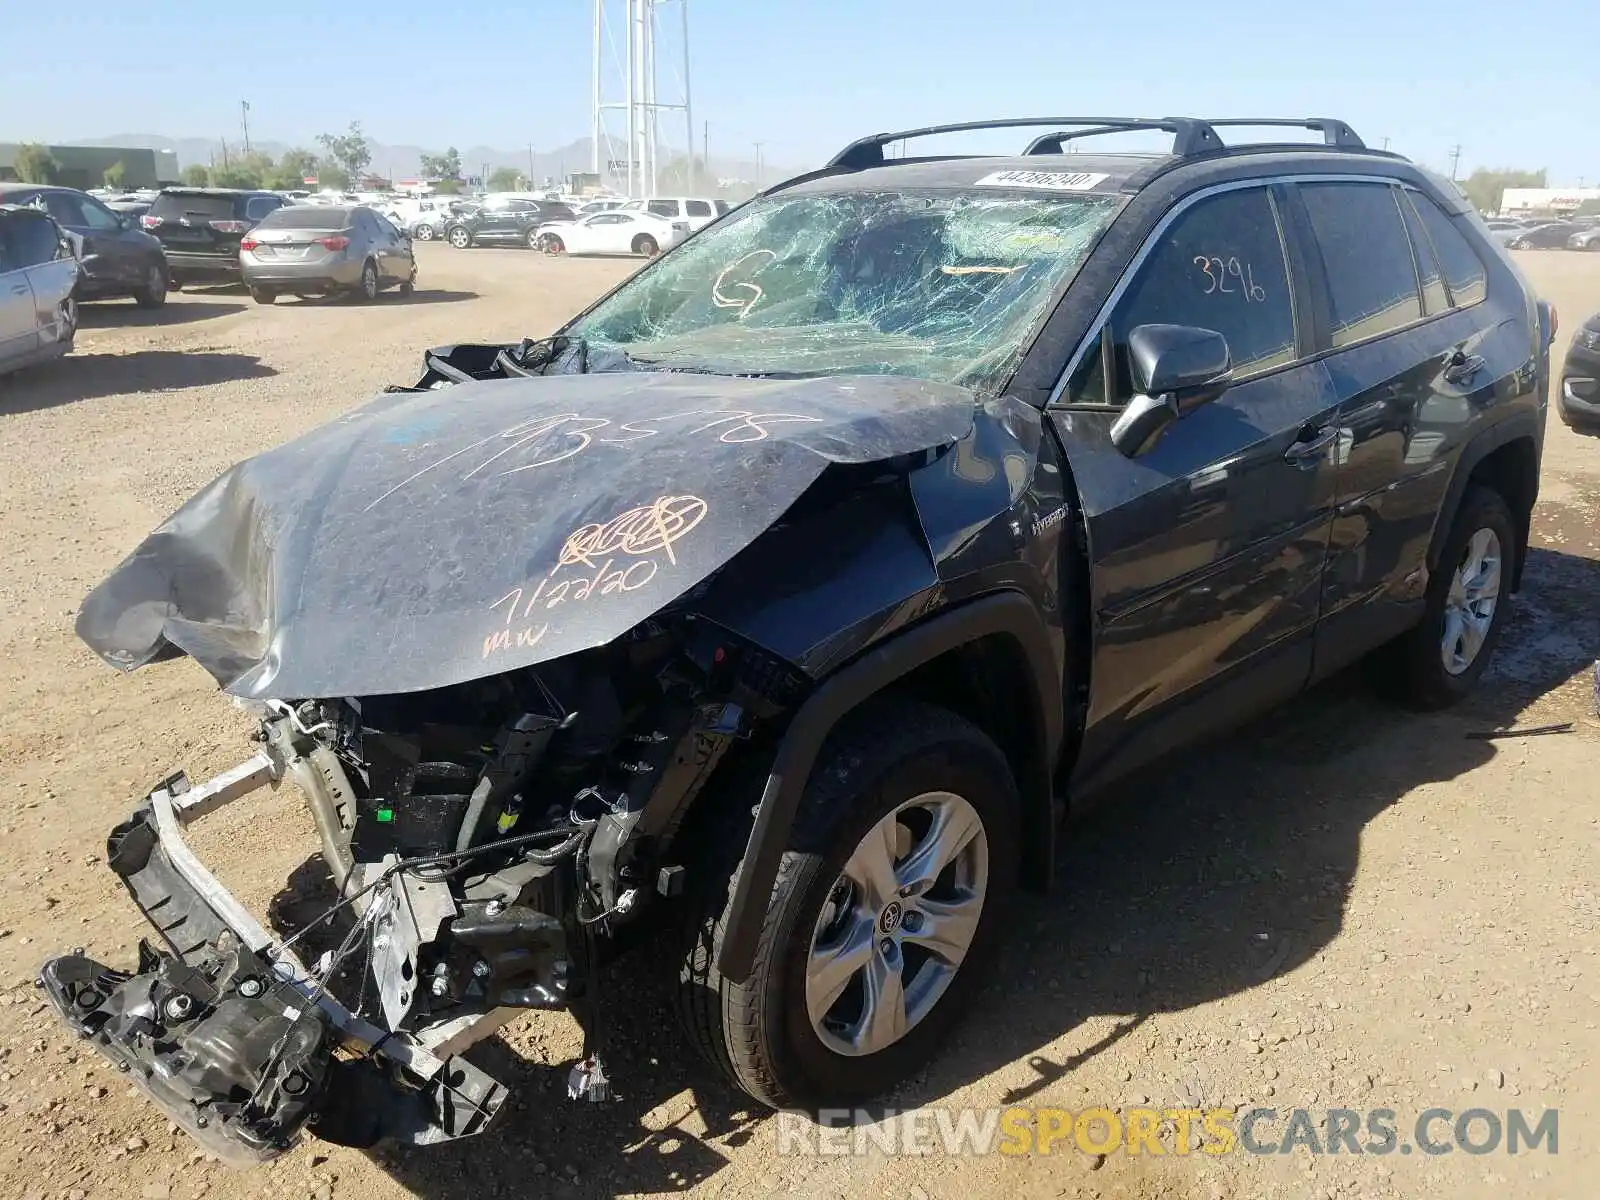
(1054, 181)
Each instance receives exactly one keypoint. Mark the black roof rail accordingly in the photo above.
(1190, 135)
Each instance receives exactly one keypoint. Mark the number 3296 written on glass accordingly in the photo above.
(1218, 272)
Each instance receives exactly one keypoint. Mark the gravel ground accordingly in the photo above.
(1344, 905)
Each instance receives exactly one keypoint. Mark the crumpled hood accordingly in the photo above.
(429, 538)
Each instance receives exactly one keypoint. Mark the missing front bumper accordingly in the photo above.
(228, 1034)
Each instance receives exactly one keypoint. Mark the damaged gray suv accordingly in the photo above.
(781, 605)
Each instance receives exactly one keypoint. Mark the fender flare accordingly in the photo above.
(1009, 613)
(1485, 443)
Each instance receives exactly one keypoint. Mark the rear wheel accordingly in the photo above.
(887, 906)
(1439, 661)
(646, 245)
(423, 233)
(263, 295)
(460, 238)
(369, 281)
(551, 244)
(152, 293)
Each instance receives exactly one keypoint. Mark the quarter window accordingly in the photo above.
(1219, 266)
(1463, 269)
(1372, 283)
(1434, 298)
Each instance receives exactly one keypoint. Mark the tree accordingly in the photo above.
(331, 175)
(349, 150)
(292, 169)
(504, 179)
(116, 175)
(687, 175)
(442, 166)
(447, 187)
(1589, 208)
(194, 175)
(1485, 186)
(35, 164)
(236, 175)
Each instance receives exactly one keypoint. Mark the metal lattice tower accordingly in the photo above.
(628, 80)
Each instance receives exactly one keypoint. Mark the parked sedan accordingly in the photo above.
(1544, 237)
(617, 232)
(38, 278)
(117, 257)
(201, 229)
(318, 249)
(1578, 399)
(505, 221)
(1585, 239)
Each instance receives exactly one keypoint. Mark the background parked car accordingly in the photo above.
(117, 257)
(201, 229)
(315, 249)
(613, 233)
(1585, 239)
(698, 211)
(1552, 236)
(1578, 398)
(505, 221)
(591, 207)
(38, 281)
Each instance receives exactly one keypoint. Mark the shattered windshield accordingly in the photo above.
(943, 286)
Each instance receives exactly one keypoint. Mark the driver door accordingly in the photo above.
(1208, 549)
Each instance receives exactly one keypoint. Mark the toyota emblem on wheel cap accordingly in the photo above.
(892, 914)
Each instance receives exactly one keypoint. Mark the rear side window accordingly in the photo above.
(213, 206)
(1463, 269)
(259, 206)
(34, 239)
(1372, 283)
(663, 208)
(1219, 266)
(1434, 298)
(697, 208)
(722, 206)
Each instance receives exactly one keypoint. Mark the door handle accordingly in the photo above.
(1462, 367)
(1307, 451)
(20, 291)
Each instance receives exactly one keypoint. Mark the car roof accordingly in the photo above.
(11, 186)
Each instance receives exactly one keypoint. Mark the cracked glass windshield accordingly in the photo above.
(941, 286)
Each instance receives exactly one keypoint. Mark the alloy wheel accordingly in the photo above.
(897, 924)
(1470, 604)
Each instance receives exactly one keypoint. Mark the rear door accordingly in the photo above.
(1208, 549)
(19, 335)
(1414, 357)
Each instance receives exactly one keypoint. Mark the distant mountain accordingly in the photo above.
(404, 162)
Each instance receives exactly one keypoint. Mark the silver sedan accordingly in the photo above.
(38, 276)
(319, 249)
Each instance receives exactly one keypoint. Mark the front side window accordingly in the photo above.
(1220, 266)
(1372, 284)
(940, 285)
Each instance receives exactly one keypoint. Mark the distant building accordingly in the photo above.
(86, 166)
(1518, 202)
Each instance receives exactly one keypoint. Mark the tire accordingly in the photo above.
(460, 238)
(370, 284)
(423, 233)
(68, 322)
(153, 294)
(646, 245)
(765, 1034)
(408, 288)
(263, 295)
(532, 240)
(551, 244)
(1426, 672)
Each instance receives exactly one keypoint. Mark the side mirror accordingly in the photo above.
(1176, 369)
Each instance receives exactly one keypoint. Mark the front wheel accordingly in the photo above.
(423, 233)
(646, 245)
(887, 907)
(369, 281)
(152, 293)
(1469, 596)
(551, 244)
(460, 238)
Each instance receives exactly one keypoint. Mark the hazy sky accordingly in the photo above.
(1513, 85)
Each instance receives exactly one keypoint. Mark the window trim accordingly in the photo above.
(1103, 315)
(1450, 293)
(1417, 252)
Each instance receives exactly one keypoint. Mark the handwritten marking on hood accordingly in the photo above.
(639, 531)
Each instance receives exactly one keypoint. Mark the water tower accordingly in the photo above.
(641, 73)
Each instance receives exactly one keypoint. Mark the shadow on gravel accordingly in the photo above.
(120, 314)
(86, 376)
(1230, 868)
(420, 296)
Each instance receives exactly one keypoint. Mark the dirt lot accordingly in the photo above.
(1345, 905)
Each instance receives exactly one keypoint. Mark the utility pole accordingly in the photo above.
(758, 164)
(1385, 143)
(530, 164)
(244, 120)
(1455, 158)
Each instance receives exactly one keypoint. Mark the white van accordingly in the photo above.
(699, 211)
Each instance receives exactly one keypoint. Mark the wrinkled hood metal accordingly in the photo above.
(430, 538)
